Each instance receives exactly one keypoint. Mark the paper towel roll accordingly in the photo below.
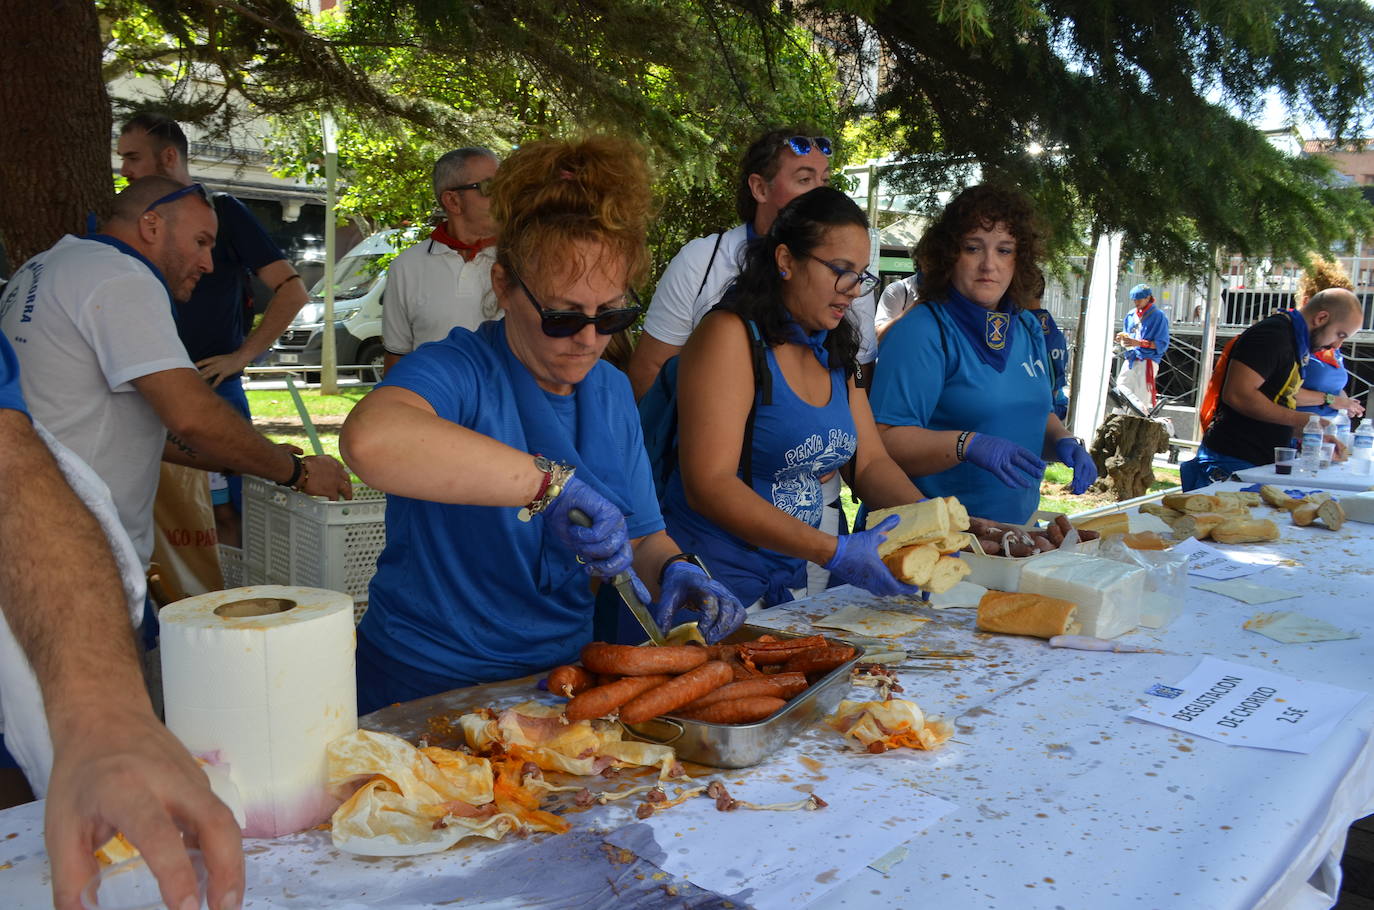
(261, 679)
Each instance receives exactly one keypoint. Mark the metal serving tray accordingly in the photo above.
(743, 745)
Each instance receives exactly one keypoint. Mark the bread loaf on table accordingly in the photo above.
(1114, 523)
(932, 521)
(1026, 614)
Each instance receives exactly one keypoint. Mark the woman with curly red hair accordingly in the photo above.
(466, 431)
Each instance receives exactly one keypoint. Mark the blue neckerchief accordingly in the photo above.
(594, 455)
(1302, 338)
(130, 251)
(1046, 320)
(589, 449)
(989, 332)
(794, 333)
(749, 233)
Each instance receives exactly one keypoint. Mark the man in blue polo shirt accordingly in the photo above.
(89, 739)
(212, 324)
(1145, 336)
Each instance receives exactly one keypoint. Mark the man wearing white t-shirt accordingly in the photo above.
(780, 166)
(91, 322)
(445, 280)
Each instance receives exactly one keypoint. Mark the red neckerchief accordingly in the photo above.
(1139, 313)
(466, 250)
(1327, 356)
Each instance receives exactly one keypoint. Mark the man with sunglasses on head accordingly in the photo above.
(778, 167)
(213, 324)
(91, 320)
(445, 280)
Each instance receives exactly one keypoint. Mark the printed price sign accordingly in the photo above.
(1240, 705)
(1209, 562)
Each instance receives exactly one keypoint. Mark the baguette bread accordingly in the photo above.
(931, 521)
(1115, 523)
(1161, 511)
(1026, 614)
(1199, 524)
(913, 564)
(1192, 502)
(1145, 540)
(1245, 531)
(1276, 497)
(948, 572)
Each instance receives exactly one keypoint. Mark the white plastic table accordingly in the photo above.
(1337, 477)
(1062, 801)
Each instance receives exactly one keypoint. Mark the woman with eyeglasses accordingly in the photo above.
(797, 283)
(514, 457)
(962, 393)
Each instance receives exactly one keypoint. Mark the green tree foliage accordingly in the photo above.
(410, 79)
(1128, 115)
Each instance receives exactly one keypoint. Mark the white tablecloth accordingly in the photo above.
(1062, 800)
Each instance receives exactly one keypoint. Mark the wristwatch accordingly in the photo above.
(1330, 400)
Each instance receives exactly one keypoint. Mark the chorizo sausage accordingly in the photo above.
(819, 660)
(780, 685)
(568, 681)
(777, 652)
(1054, 533)
(736, 710)
(636, 660)
(676, 692)
(602, 700)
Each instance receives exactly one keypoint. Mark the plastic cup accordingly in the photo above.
(1328, 453)
(131, 885)
(1284, 457)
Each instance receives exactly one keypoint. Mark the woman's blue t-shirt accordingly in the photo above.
(795, 444)
(471, 593)
(931, 378)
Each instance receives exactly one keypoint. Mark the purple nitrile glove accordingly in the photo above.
(856, 561)
(604, 543)
(1072, 453)
(686, 585)
(1015, 466)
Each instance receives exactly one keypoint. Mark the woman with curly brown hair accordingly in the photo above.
(962, 393)
(466, 431)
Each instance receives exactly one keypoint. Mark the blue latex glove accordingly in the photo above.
(1078, 458)
(1015, 466)
(605, 545)
(685, 585)
(856, 561)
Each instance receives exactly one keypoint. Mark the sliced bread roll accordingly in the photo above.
(913, 564)
(931, 521)
(1026, 614)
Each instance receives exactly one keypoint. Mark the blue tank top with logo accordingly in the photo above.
(795, 444)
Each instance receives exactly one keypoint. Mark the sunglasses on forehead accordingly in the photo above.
(566, 323)
(197, 188)
(801, 145)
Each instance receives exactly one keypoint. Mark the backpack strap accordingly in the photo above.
(710, 262)
(763, 392)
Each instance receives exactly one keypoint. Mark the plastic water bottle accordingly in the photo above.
(1341, 429)
(1311, 455)
(1363, 458)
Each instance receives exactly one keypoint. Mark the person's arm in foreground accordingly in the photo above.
(116, 767)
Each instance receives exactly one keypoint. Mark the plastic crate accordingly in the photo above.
(290, 538)
(235, 571)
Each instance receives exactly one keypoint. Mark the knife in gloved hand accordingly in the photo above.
(626, 587)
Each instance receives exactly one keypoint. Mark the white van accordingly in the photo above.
(359, 280)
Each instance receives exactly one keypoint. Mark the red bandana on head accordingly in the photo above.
(466, 250)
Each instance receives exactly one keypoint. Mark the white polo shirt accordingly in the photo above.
(430, 289)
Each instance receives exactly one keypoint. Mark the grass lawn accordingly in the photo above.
(277, 404)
